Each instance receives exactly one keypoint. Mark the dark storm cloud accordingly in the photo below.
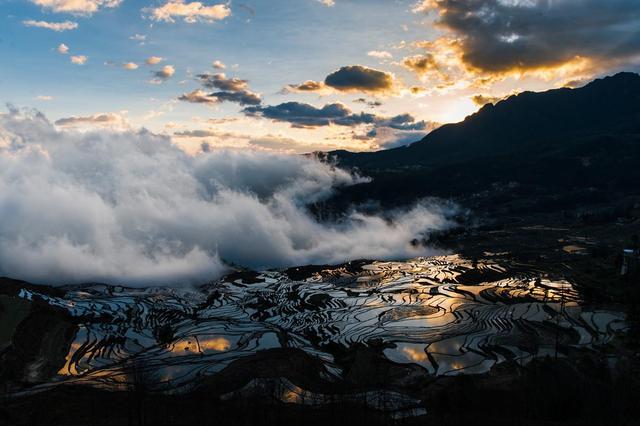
(403, 122)
(358, 77)
(351, 78)
(305, 115)
(502, 35)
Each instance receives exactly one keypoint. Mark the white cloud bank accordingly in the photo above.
(54, 26)
(77, 7)
(190, 12)
(130, 207)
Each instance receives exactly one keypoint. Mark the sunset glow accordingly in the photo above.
(298, 76)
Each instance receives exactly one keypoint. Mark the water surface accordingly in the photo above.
(446, 314)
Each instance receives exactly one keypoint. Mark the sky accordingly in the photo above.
(299, 75)
(157, 134)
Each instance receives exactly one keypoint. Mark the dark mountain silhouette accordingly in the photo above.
(579, 143)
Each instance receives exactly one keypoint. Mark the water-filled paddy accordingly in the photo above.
(445, 314)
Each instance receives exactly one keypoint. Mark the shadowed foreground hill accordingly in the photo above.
(585, 139)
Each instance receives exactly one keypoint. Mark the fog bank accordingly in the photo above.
(132, 208)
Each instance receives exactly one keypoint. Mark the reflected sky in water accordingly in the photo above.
(427, 312)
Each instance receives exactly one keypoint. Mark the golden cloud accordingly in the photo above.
(190, 12)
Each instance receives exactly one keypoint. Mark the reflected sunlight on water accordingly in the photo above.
(426, 311)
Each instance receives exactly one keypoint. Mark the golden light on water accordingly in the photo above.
(219, 344)
(69, 369)
(200, 345)
(415, 355)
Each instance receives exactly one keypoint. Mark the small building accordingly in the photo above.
(630, 262)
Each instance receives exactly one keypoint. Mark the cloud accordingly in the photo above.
(62, 49)
(198, 97)
(78, 59)
(132, 208)
(54, 26)
(223, 120)
(352, 78)
(307, 86)
(482, 100)
(425, 6)
(197, 133)
(360, 78)
(220, 81)
(304, 115)
(219, 65)
(44, 98)
(109, 119)
(421, 64)
(371, 104)
(440, 66)
(284, 144)
(230, 90)
(190, 12)
(328, 3)
(215, 139)
(153, 60)
(502, 37)
(138, 37)
(387, 137)
(574, 84)
(380, 54)
(242, 97)
(77, 7)
(403, 122)
(130, 66)
(163, 74)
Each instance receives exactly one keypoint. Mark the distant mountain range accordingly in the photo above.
(579, 143)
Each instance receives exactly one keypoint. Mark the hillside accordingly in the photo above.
(574, 146)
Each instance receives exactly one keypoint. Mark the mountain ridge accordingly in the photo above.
(558, 142)
(590, 96)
